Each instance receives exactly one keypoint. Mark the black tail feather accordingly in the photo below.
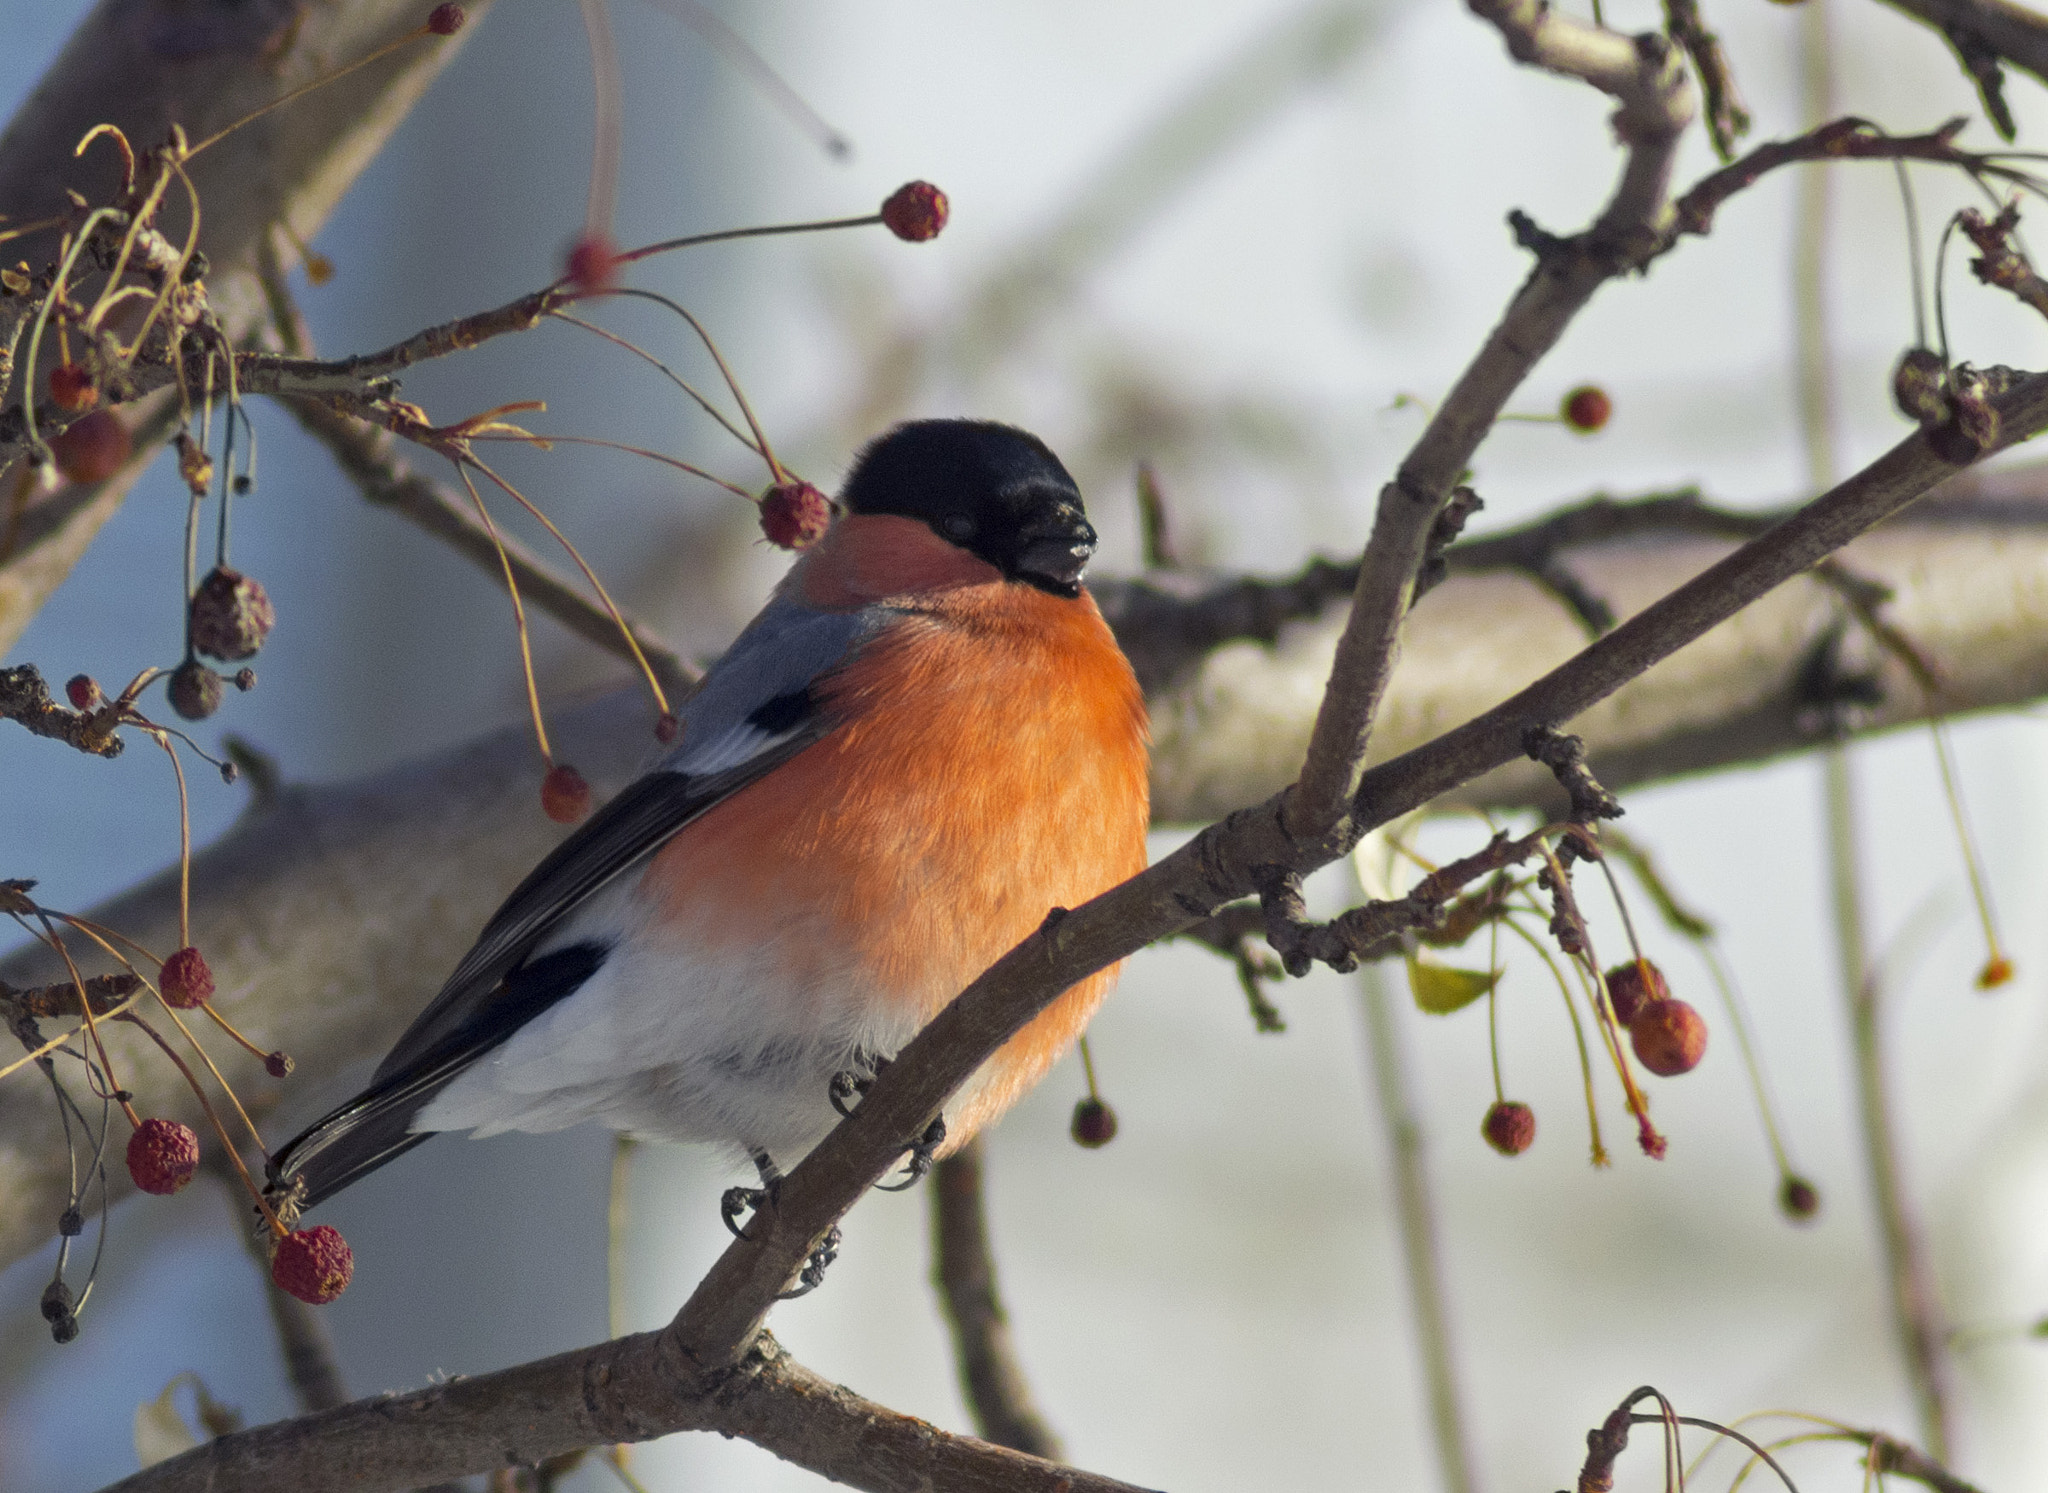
(376, 1125)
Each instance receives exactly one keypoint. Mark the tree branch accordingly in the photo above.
(1656, 101)
(290, 166)
(630, 1389)
(964, 1270)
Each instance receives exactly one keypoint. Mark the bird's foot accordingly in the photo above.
(852, 1083)
(738, 1200)
(812, 1275)
(922, 1152)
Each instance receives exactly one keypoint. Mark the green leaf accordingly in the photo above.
(1439, 989)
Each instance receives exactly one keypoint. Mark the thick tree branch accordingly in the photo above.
(631, 1389)
(201, 66)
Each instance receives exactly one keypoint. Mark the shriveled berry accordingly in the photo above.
(667, 728)
(71, 1223)
(1798, 1198)
(163, 1156)
(1094, 1124)
(1586, 408)
(72, 387)
(1996, 971)
(446, 20)
(1669, 1037)
(231, 615)
(1630, 985)
(245, 679)
(313, 1264)
(59, 1302)
(186, 981)
(795, 515)
(194, 465)
(195, 690)
(1509, 1127)
(279, 1065)
(564, 794)
(83, 691)
(92, 448)
(916, 211)
(593, 263)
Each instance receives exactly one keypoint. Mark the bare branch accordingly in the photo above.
(631, 1389)
(1656, 101)
(1983, 31)
(25, 698)
(964, 1270)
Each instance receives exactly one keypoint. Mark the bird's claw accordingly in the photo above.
(922, 1153)
(849, 1083)
(738, 1200)
(813, 1274)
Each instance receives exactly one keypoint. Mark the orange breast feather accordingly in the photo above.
(992, 767)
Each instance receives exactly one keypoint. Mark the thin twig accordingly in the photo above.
(1415, 1212)
(368, 457)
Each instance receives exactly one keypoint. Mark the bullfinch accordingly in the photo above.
(926, 740)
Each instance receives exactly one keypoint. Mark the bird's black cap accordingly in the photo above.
(996, 491)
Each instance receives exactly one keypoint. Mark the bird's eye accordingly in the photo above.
(959, 525)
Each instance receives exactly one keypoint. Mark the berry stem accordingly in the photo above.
(776, 472)
(540, 729)
(422, 30)
(611, 607)
(725, 235)
(673, 377)
(1088, 1068)
(1973, 865)
(608, 125)
(1600, 1157)
(92, 1026)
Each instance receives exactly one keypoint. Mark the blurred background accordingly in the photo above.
(1227, 236)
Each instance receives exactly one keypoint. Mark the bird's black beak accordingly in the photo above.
(1054, 555)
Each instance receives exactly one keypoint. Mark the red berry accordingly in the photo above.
(93, 448)
(231, 615)
(313, 1264)
(1669, 1037)
(1586, 408)
(795, 515)
(186, 980)
(1798, 1198)
(667, 728)
(83, 691)
(1094, 1124)
(593, 263)
(446, 20)
(72, 388)
(1509, 1127)
(1630, 985)
(564, 795)
(915, 211)
(162, 1156)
